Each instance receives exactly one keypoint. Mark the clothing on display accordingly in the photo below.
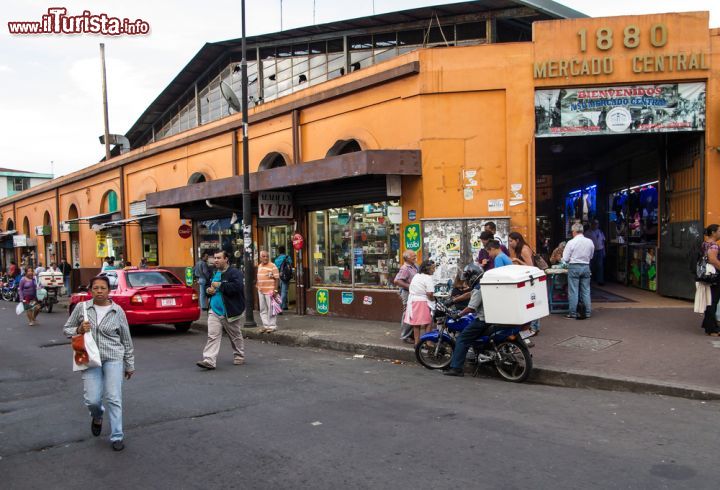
(580, 205)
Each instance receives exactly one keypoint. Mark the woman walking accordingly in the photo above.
(28, 295)
(710, 250)
(421, 300)
(109, 327)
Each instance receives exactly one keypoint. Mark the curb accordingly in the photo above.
(540, 375)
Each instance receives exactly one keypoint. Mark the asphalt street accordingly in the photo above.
(302, 418)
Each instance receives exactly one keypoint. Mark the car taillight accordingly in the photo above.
(137, 299)
(195, 296)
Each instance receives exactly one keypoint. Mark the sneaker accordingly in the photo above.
(570, 317)
(205, 365)
(96, 426)
(454, 372)
(118, 445)
(239, 362)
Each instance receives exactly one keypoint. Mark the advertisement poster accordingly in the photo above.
(453, 245)
(653, 108)
(412, 237)
(322, 301)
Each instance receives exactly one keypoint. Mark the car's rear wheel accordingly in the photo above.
(183, 327)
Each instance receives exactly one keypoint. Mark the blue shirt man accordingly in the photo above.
(216, 300)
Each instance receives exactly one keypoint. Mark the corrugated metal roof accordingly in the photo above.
(211, 52)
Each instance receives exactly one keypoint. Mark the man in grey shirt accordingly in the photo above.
(471, 274)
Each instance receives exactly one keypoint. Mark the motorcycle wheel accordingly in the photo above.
(425, 353)
(7, 295)
(515, 362)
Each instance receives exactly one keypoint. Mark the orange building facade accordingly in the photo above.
(419, 151)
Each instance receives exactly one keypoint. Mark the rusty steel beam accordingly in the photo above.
(357, 164)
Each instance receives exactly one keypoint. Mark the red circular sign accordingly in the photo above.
(298, 241)
(185, 231)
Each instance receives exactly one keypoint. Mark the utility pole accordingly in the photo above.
(246, 196)
(105, 103)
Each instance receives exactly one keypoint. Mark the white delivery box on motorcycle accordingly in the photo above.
(514, 295)
(51, 279)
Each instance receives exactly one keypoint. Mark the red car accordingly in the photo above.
(149, 297)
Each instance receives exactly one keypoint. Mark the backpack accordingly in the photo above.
(286, 272)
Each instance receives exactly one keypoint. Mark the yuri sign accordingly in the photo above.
(275, 205)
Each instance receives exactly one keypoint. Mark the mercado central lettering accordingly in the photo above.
(632, 37)
(661, 63)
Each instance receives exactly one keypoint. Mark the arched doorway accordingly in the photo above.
(342, 147)
(7, 251)
(48, 247)
(109, 203)
(73, 257)
(10, 225)
(110, 240)
(28, 255)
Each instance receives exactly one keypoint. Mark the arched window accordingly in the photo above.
(109, 202)
(197, 177)
(46, 219)
(10, 225)
(342, 147)
(26, 226)
(73, 212)
(273, 160)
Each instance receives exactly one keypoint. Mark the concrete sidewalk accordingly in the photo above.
(653, 350)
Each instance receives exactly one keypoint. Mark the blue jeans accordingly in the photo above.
(202, 284)
(284, 294)
(68, 286)
(579, 279)
(464, 341)
(106, 381)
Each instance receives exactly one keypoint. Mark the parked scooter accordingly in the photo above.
(502, 348)
(9, 290)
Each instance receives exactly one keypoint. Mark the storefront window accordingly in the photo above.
(109, 243)
(355, 246)
(220, 234)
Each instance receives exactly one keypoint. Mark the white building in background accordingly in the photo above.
(13, 181)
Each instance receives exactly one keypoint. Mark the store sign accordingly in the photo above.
(412, 237)
(275, 205)
(412, 215)
(138, 208)
(66, 227)
(185, 231)
(101, 247)
(347, 297)
(20, 241)
(322, 301)
(623, 40)
(43, 230)
(189, 276)
(653, 108)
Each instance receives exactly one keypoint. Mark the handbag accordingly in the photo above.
(85, 352)
(539, 262)
(276, 304)
(706, 272)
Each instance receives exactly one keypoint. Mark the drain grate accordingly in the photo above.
(588, 343)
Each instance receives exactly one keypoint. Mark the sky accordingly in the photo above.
(50, 85)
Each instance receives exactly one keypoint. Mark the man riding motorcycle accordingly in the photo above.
(472, 274)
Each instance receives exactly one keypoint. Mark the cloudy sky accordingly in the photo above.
(50, 92)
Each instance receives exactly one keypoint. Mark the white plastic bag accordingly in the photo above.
(93, 354)
(20, 308)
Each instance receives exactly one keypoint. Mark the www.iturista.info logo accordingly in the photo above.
(56, 21)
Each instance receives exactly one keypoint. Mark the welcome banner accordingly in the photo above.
(656, 108)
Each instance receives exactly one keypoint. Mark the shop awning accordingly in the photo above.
(362, 170)
(95, 217)
(7, 234)
(134, 219)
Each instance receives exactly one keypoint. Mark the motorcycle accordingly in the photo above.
(9, 290)
(503, 347)
(49, 298)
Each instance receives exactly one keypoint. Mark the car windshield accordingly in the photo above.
(151, 278)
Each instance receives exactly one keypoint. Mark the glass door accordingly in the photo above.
(281, 236)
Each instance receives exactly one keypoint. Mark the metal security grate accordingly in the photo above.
(588, 343)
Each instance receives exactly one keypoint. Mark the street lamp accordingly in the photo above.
(246, 196)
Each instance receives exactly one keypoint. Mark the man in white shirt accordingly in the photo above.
(598, 261)
(578, 253)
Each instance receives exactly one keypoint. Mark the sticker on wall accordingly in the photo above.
(496, 205)
(394, 214)
(188, 276)
(412, 215)
(347, 297)
(412, 237)
(367, 300)
(317, 255)
(468, 194)
(515, 191)
(452, 247)
(470, 180)
(322, 301)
